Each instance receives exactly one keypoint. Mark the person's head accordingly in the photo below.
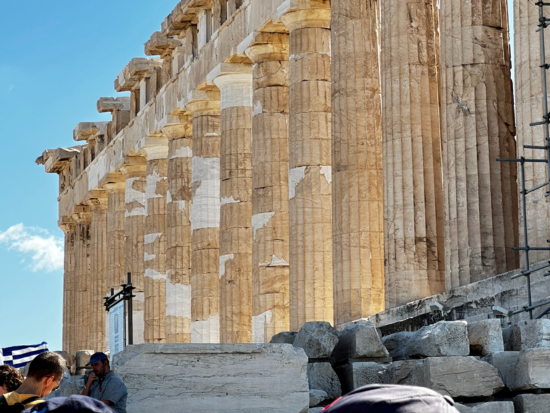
(100, 364)
(10, 379)
(46, 371)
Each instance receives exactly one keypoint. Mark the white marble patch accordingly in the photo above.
(207, 331)
(327, 172)
(258, 326)
(206, 200)
(295, 175)
(183, 152)
(261, 220)
(178, 300)
(223, 260)
(150, 238)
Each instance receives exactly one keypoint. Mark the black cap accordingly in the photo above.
(97, 357)
(382, 398)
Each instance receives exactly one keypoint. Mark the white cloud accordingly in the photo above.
(46, 250)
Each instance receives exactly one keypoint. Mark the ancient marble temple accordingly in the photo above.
(275, 162)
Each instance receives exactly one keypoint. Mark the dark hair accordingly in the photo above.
(47, 364)
(10, 377)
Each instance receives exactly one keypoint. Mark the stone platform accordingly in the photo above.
(232, 378)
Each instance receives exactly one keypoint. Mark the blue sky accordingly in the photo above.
(56, 59)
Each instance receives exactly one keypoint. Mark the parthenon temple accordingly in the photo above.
(273, 162)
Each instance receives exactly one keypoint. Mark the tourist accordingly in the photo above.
(45, 374)
(382, 398)
(10, 379)
(104, 385)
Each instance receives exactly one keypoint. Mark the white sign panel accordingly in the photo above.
(116, 328)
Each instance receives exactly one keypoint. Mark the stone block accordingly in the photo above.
(408, 372)
(485, 337)
(69, 386)
(531, 371)
(285, 337)
(358, 341)
(69, 358)
(508, 338)
(317, 397)
(317, 338)
(504, 362)
(397, 344)
(316, 410)
(233, 378)
(532, 403)
(460, 376)
(321, 376)
(83, 358)
(531, 334)
(358, 374)
(445, 338)
(491, 407)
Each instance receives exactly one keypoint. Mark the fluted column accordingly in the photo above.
(69, 228)
(529, 109)
(478, 127)
(116, 208)
(134, 229)
(178, 220)
(413, 188)
(82, 217)
(98, 274)
(155, 240)
(205, 220)
(235, 84)
(310, 165)
(270, 255)
(358, 182)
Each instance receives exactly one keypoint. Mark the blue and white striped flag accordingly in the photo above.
(20, 356)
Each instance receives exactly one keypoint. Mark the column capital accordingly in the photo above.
(99, 202)
(203, 102)
(235, 83)
(115, 187)
(134, 167)
(82, 214)
(88, 131)
(153, 147)
(67, 224)
(262, 47)
(178, 127)
(302, 14)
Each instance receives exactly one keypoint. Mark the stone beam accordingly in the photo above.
(160, 45)
(120, 111)
(131, 76)
(57, 160)
(87, 131)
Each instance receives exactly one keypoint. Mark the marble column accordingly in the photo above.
(529, 109)
(178, 221)
(155, 239)
(82, 280)
(134, 171)
(205, 218)
(116, 208)
(98, 273)
(481, 208)
(270, 255)
(310, 164)
(235, 84)
(357, 170)
(413, 187)
(69, 228)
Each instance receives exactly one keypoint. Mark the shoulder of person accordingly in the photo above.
(115, 379)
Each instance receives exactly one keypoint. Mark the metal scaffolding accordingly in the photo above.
(545, 122)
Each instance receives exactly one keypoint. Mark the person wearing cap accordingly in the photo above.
(104, 385)
(385, 398)
(45, 373)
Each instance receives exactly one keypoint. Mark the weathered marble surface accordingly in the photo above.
(232, 378)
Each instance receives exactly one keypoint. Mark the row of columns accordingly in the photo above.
(320, 183)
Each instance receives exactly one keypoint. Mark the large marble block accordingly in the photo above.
(232, 378)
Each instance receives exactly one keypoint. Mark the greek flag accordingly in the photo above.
(20, 356)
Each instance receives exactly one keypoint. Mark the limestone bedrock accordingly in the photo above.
(357, 341)
(445, 338)
(317, 338)
(233, 378)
